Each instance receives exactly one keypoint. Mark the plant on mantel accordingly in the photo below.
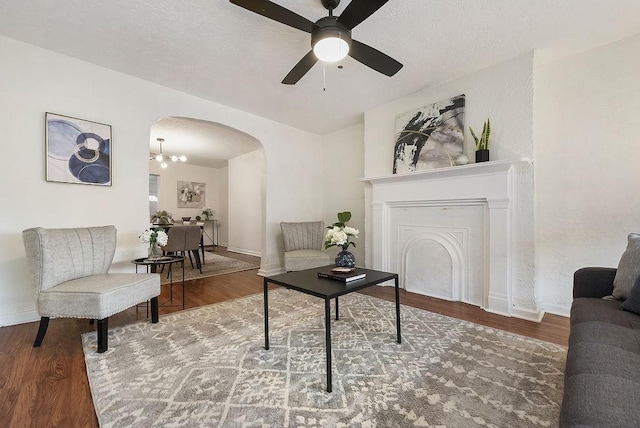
(482, 143)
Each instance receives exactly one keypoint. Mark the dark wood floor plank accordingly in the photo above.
(48, 386)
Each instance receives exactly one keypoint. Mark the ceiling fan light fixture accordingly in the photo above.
(331, 49)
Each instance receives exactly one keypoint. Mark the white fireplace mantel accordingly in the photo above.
(503, 187)
(470, 170)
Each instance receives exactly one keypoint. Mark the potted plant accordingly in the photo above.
(162, 217)
(482, 143)
(340, 235)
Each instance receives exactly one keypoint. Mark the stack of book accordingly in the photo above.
(342, 274)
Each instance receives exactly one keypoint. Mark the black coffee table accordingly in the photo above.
(307, 281)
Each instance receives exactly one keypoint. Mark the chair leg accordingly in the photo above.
(42, 330)
(154, 309)
(103, 333)
(196, 254)
(190, 259)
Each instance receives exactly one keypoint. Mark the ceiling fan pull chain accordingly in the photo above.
(324, 77)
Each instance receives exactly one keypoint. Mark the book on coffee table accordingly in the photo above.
(344, 275)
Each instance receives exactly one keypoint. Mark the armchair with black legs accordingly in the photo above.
(70, 272)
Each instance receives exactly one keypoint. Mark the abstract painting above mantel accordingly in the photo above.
(430, 137)
(191, 194)
(78, 150)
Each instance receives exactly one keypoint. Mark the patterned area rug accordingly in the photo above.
(208, 367)
(214, 265)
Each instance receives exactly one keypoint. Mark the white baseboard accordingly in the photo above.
(247, 252)
(563, 311)
(21, 317)
(527, 314)
(271, 272)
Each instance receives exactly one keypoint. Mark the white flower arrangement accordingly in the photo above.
(154, 236)
(339, 234)
(207, 213)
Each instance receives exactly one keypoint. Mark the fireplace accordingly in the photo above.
(463, 233)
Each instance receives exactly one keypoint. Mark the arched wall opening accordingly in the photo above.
(229, 168)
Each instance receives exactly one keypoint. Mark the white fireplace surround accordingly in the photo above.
(503, 190)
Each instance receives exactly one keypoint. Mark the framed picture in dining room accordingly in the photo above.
(429, 137)
(78, 151)
(191, 194)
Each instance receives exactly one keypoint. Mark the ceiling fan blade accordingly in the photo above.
(300, 68)
(359, 10)
(373, 58)
(276, 12)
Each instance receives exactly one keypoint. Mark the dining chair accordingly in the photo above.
(185, 240)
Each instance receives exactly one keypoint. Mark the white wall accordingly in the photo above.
(503, 93)
(587, 124)
(343, 166)
(246, 173)
(34, 81)
(223, 207)
(175, 172)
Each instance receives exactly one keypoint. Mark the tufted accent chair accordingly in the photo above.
(303, 245)
(70, 271)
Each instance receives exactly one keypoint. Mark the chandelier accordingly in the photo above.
(163, 159)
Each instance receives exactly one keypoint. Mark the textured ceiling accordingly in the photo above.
(221, 52)
(203, 143)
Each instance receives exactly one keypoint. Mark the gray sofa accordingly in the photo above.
(602, 376)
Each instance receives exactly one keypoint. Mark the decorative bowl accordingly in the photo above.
(186, 218)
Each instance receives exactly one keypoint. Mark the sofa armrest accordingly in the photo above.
(593, 282)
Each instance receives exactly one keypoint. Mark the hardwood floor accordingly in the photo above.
(48, 386)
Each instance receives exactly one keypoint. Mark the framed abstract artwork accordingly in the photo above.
(77, 150)
(430, 137)
(191, 194)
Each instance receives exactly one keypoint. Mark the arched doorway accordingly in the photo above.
(228, 168)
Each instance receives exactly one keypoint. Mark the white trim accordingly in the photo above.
(247, 252)
(563, 311)
(19, 317)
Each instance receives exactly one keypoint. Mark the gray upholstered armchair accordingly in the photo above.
(69, 268)
(303, 245)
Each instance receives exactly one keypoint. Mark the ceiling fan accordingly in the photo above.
(330, 36)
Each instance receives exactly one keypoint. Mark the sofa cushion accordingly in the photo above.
(605, 333)
(632, 304)
(604, 359)
(586, 309)
(600, 400)
(628, 268)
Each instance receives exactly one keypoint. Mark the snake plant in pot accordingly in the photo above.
(482, 143)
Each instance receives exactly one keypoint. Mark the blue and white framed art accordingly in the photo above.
(78, 151)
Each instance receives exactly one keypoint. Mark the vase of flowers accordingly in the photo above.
(207, 214)
(341, 235)
(155, 237)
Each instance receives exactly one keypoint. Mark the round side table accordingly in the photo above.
(152, 267)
